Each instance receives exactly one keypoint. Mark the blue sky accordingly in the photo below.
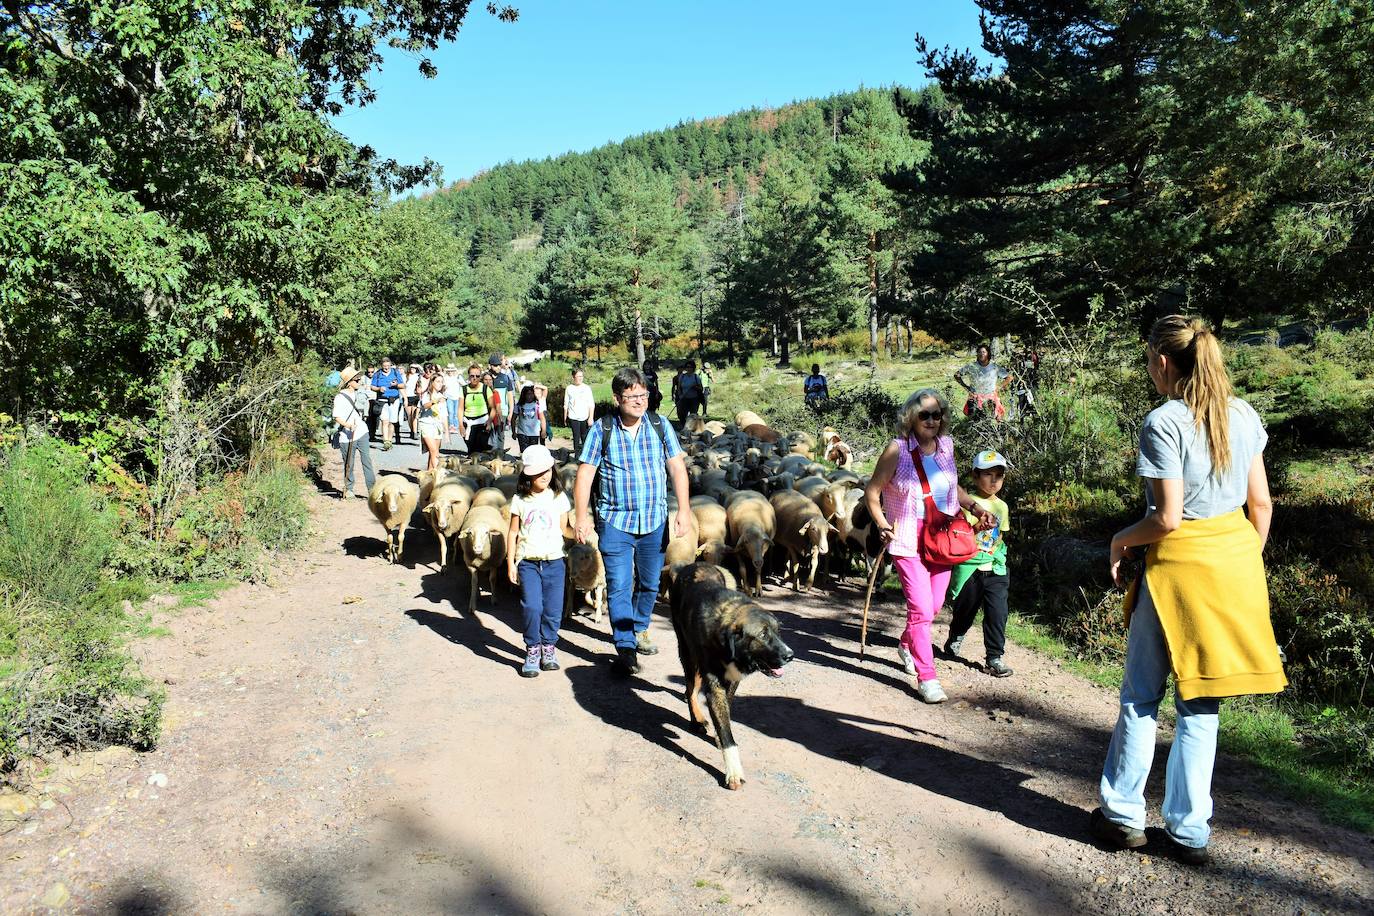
(574, 74)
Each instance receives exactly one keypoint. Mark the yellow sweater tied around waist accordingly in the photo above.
(1206, 579)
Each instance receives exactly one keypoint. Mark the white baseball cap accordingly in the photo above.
(535, 460)
(989, 458)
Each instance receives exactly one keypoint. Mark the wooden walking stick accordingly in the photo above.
(868, 599)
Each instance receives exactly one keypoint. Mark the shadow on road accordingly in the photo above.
(619, 702)
(842, 736)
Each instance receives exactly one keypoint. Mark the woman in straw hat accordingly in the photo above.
(351, 437)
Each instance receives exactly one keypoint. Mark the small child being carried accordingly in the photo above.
(982, 581)
(538, 516)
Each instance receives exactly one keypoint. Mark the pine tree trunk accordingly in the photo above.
(873, 296)
(799, 332)
(639, 339)
(784, 359)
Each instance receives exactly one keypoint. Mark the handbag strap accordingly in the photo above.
(918, 460)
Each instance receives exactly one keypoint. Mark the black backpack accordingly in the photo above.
(607, 425)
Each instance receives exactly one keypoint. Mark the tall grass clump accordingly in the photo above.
(66, 678)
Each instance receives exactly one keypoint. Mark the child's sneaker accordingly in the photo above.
(930, 692)
(548, 659)
(908, 663)
(998, 668)
(531, 666)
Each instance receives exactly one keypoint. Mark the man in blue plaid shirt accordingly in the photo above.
(632, 509)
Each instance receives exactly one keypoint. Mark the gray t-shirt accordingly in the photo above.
(1173, 447)
(982, 379)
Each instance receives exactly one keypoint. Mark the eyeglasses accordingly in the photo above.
(930, 415)
(635, 397)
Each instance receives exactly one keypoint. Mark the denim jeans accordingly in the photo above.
(452, 404)
(541, 599)
(634, 563)
(1188, 774)
(362, 447)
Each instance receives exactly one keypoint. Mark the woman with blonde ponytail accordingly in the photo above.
(1200, 608)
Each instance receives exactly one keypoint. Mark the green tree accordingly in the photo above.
(1149, 154)
(171, 193)
(862, 210)
(636, 265)
(785, 272)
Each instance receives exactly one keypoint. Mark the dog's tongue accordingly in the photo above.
(773, 672)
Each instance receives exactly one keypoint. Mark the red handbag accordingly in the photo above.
(946, 540)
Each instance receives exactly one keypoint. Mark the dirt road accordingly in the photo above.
(342, 740)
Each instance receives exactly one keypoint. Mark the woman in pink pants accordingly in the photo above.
(897, 503)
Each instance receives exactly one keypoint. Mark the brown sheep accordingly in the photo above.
(586, 574)
(483, 540)
(802, 531)
(392, 500)
(447, 507)
(751, 522)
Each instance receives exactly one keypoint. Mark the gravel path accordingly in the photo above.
(340, 739)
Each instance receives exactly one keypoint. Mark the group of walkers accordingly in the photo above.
(437, 405)
(1198, 608)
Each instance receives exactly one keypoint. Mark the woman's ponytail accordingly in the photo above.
(1204, 383)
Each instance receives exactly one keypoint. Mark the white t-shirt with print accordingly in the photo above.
(541, 524)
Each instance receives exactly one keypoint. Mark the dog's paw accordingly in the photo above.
(734, 770)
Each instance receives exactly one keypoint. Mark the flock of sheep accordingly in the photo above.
(756, 494)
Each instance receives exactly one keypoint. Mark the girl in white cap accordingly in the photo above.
(538, 518)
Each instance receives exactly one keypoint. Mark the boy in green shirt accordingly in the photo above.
(982, 582)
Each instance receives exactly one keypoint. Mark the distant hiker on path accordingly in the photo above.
(1200, 608)
(578, 406)
(705, 387)
(480, 412)
(687, 392)
(352, 435)
(632, 465)
(815, 390)
(984, 381)
(388, 383)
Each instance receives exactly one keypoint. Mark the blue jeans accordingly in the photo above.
(541, 599)
(634, 563)
(362, 447)
(452, 404)
(1188, 776)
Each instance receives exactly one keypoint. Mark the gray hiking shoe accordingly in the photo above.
(531, 666)
(548, 659)
(952, 647)
(998, 668)
(1113, 834)
(930, 691)
(644, 645)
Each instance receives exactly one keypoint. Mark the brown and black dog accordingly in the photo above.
(722, 635)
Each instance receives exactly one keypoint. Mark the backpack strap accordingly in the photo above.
(608, 423)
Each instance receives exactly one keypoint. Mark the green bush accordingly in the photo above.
(226, 529)
(65, 678)
(55, 534)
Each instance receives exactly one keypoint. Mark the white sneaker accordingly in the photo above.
(908, 663)
(930, 692)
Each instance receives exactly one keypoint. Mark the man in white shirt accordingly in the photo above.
(578, 405)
